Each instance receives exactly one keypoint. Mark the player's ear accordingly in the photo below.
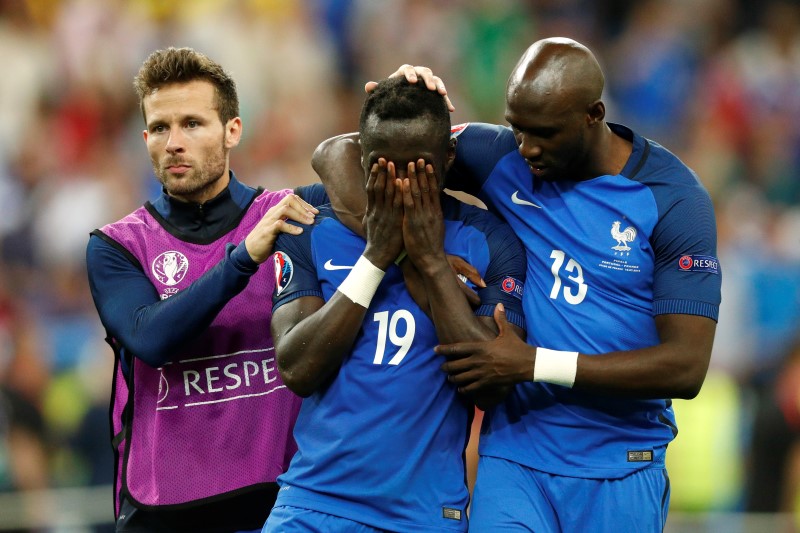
(595, 112)
(451, 153)
(233, 132)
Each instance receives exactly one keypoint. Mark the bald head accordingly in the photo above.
(558, 67)
(553, 104)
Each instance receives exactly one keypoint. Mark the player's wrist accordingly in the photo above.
(362, 282)
(256, 249)
(241, 258)
(555, 366)
(380, 258)
(430, 265)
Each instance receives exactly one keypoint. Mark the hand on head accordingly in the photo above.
(412, 74)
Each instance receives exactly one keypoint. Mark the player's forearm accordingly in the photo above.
(641, 374)
(675, 368)
(311, 352)
(450, 311)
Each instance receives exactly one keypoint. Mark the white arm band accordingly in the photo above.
(554, 366)
(362, 282)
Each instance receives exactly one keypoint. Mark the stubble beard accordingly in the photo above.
(194, 182)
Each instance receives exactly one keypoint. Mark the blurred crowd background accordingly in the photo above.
(715, 81)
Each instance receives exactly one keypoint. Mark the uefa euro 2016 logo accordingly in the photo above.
(283, 271)
(170, 267)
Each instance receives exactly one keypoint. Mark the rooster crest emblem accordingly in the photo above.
(622, 237)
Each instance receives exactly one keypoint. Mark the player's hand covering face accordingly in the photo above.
(423, 223)
(383, 221)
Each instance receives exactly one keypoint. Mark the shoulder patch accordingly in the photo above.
(698, 263)
(456, 130)
(283, 271)
(512, 286)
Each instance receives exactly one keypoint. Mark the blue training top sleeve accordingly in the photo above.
(132, 312)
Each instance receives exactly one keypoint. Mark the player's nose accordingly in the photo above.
(529, 148)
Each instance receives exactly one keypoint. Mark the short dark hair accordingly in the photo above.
(398, 99)
(182, 65)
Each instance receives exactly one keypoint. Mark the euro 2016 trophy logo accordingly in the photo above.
(170, 267)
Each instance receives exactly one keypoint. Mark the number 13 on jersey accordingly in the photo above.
(575, 274)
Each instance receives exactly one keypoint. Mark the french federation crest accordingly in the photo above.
(283, 271)
(170, 267)
(622, 237)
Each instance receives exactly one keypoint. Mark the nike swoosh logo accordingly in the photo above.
(517, 200)
(330, 266)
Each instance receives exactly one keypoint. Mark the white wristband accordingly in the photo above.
(362, 282)
(554, 366)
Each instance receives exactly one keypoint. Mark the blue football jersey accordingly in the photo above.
(383, 442)
(604, 257)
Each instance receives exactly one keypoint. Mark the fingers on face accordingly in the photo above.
(411, 190)
(420, 187)
(396, 190)
(378, 168)
(376, 179)
(433, 183)
(416, 179)
(421, 177)
(393, 192)
(389, 178)
(383, 186)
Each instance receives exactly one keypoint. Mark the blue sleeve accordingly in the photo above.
(314, 194)
(687, 278)
(506, 271)
(479, 147)
(132, 312)
(294, 260)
